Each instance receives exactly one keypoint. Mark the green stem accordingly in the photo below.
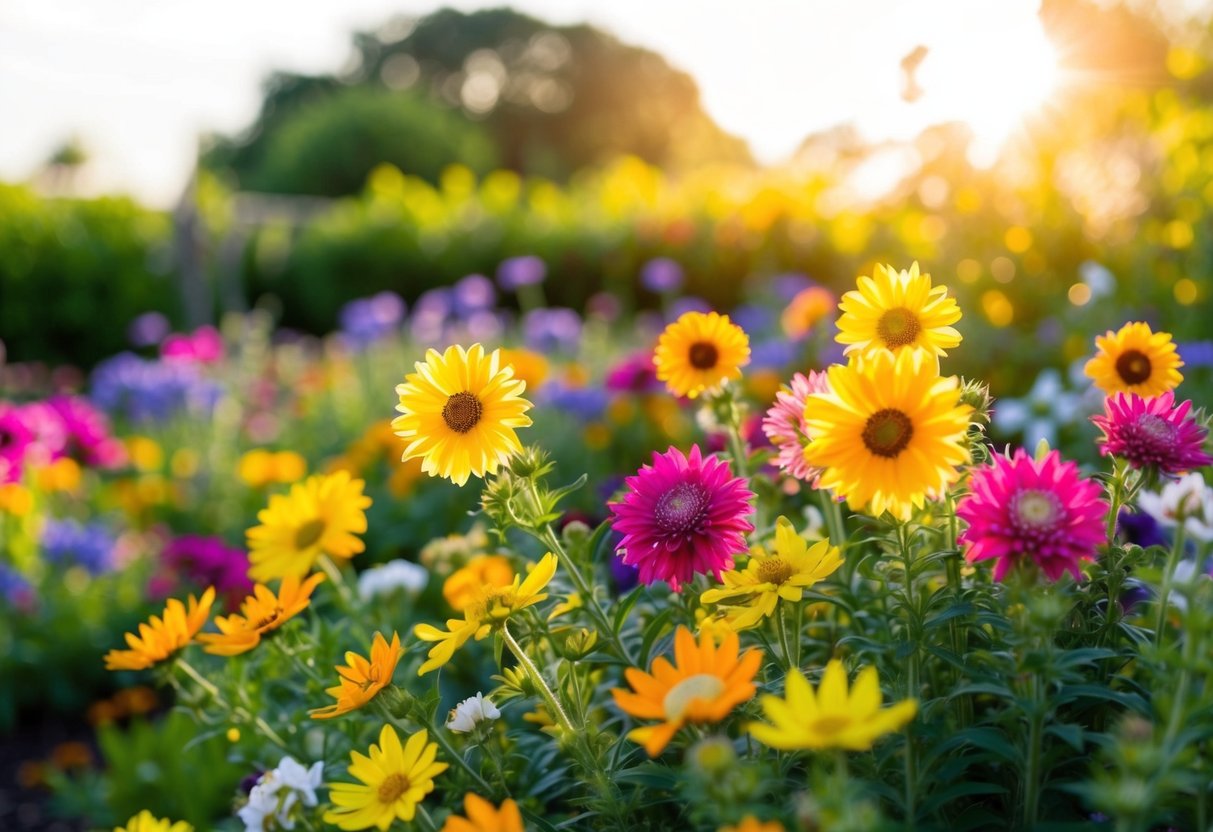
(549, 698)
(737, 449)
(206, 685)
(427, 822)
(439, 736)
(832, 514)
(1168, 573)
(200, 680)
(782, 628)
(912, 674)
(1032, 775)
(548, 538)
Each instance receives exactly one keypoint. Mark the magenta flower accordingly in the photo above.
(683, 516)
(1151, 433)
(15, 440)
(208, 561)
(86, 430)
(635, 374)
(1023, 508)
(784, 425)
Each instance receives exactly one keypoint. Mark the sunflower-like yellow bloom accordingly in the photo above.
(459, 413)
(163, 635)
(703, 685)
(786, 573)
(394, 780)
(832, 718)
(482, 817)
(260, 613)
(466, 583)
(489, 611)
(259, 467)
(898, 312)
(145, 821)
(362, 679)
(889, 432)
(699, 352)
(320, 516)
(1135, 359)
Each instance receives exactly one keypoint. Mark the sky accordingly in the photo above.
(139, 80)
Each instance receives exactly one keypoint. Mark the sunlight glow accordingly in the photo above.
(991, 83)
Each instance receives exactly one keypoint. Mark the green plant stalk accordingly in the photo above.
(964, 705)
(913, 670)
(737, 448)
(549, 698)
(832, 514)
(548, 538)
(207, 686)
(1168, 573)
(1192, 648)
(427, 822)
(1031, 805)
(782, 628)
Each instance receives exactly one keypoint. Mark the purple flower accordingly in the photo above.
(1140, 528)
(474, 293)
(15, 589)
(1197, 354)
(687, 304)
(148, 329)
(209, 561)
(516, 272)
(151, 391)
(661, 275)
(366, 320)
(635, 374)
(587, 403)
(788, 286)
(754, 318)
(69, 543)
(552, 329)
(774, 355)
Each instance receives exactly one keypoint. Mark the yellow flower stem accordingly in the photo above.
(1168, 573)
(549, 698)
(548, 538)
(206, 685)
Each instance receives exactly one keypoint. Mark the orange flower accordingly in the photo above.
(259, 614)
(361, 680)
(704, 684)
(464, 585)
(482, 817)
(162, 636)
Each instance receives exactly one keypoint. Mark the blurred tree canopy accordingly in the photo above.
(493, 87)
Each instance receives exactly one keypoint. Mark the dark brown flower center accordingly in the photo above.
(887, 432)
(462, 411)
(898, 327)
(269, 619)
(681, 510)
(392, 787)
(1133, 366)
(307, 534)
(703, 356)
(774, 571)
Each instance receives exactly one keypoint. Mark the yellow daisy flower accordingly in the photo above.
(320, 516)
(699, 352)
(898, 311)
(487, 612)
(361, 680)
(889, 432)
(786, 573)
(260, 613)
(145, 821)
(833, 718)
(482, 817)
(394, 780)
(163, 635)
(1135, 359)
(259, 467)
(466, 583)
(459, 412)
(703, 685)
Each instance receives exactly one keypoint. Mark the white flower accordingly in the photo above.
(393, 575)
(1039, 414)
(1187, 499)
(276, 793)
(470, 712)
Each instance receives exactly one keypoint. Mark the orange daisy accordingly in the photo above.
(361, 680)
(259, 614)
(163, 635)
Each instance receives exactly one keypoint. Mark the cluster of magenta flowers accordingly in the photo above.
(41, 432)
(1152, 433)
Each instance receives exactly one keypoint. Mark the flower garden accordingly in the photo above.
(580, 581)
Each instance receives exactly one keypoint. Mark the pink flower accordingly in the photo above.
(1044, 510)
(16, 437)
(1150, 433)
(683, 516)
(784, 425)
(203, 346)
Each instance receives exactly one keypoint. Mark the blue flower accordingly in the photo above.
(68, 543)
(516, 272)
(661, 275)
(151, 390)
(366, 320)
